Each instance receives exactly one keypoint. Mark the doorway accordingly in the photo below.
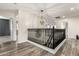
(7, 34)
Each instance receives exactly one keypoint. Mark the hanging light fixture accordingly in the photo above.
(42, 21)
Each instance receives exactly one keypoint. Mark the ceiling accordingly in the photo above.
(50, 9)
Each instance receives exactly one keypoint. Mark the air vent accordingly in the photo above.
(42, 10)
(58, 17)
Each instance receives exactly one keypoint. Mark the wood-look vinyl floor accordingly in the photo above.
(69, 48)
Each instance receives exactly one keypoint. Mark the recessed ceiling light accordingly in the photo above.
(72, 9)
(64, 16)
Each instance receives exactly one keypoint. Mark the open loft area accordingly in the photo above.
(34, 28)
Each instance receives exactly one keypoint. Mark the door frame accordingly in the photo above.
(12, 27)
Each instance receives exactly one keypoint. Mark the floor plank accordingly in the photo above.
(69, 48)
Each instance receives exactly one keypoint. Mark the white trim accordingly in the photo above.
(2, 17)
(53, 51)
(12, 26)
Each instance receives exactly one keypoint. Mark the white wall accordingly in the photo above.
(73, 27)
(26, 20)
(11, 14)
(8, 13)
